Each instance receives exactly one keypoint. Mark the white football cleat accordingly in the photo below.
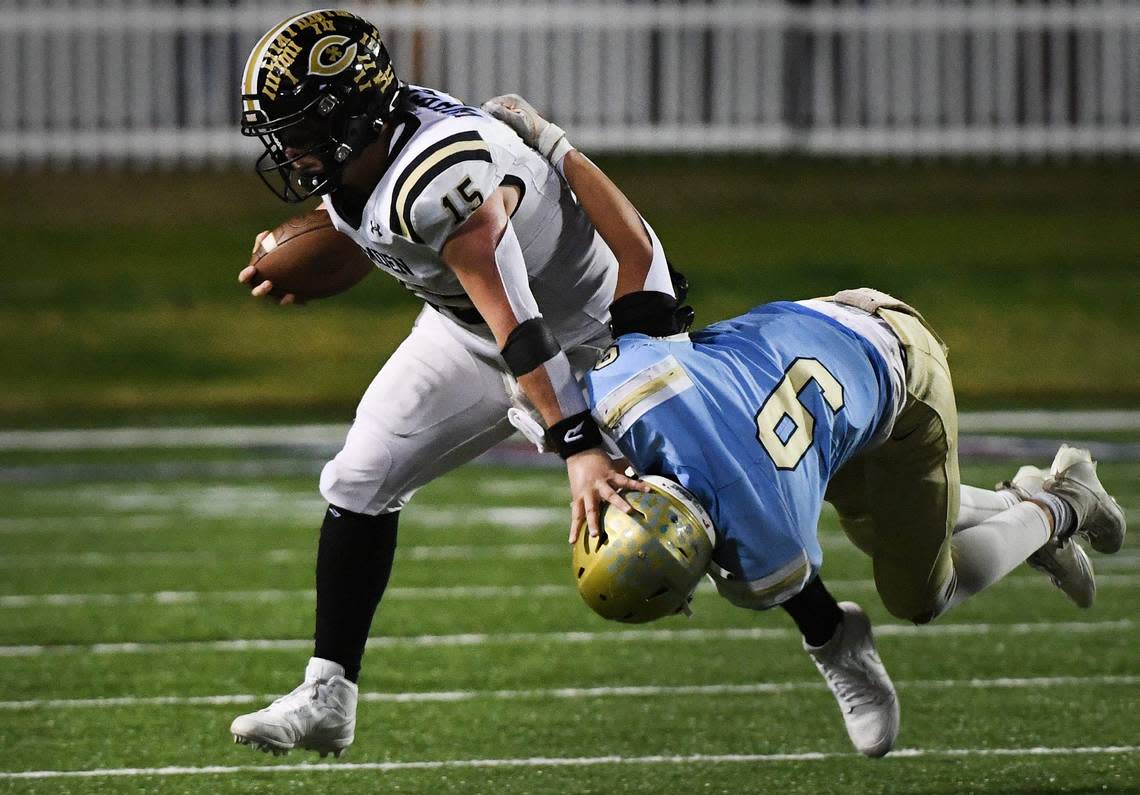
(859, 682)
(319, 715)
(1098, 516)
(1065, 563)
(1068, 567)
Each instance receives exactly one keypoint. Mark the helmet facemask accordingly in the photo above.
(322, 129)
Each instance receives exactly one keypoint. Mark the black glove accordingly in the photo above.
(649, 312)
(680, 283)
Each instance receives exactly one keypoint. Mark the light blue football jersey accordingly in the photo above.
(753, 415)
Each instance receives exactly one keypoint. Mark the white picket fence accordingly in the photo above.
(155, 82)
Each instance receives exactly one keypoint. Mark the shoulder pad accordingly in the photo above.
(440, 187)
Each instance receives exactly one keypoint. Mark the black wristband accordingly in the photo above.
(649, 312)
(574, 434)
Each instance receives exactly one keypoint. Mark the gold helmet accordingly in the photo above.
(645, 565)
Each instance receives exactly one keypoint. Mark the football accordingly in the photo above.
(308, 257)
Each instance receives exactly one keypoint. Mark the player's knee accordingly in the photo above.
(914, 612)
(360, 486)
(913, 602)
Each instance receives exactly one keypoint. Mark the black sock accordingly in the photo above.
(354, 559)
(815, 612)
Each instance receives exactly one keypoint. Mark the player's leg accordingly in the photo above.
(922, 568)
(1074, 502)
(976, 505)
(1072, 479)
(433, 406)
(837, 636)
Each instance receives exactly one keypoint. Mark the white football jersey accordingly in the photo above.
(444, 159)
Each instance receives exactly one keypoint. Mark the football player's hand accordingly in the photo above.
(594, 480)
(259, 287)
(547, 138)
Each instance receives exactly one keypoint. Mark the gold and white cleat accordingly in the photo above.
(1065, 563)
(1099, 517)
(1068, 567)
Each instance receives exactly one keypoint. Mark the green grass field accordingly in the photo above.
(132, 609)
(133, 603)
(119, 302)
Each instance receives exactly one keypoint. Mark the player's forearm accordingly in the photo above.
(615, 218)
(486, 256)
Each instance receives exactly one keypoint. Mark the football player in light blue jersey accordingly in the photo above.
(731, 414)
(763, 417)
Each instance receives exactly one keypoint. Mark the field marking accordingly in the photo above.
(415, 593)
(511, 638)
(332, 434)
(315, 435)
(432, 593)
(563, 761)
(449, 696)
(37, 524)
(199, 557)
(511, 517)
(998, 421)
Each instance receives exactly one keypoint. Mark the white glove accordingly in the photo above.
(539, 134)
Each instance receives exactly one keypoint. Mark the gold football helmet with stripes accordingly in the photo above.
(318, 83)
(647, 565)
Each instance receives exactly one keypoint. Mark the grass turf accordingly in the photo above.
(137, 540)
(121, 303)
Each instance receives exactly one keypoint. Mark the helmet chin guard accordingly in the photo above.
(316, 90)
(647, 565)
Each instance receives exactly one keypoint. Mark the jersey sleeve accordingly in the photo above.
(439, 189)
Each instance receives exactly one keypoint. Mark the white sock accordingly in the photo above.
(978, 505)
(988, 551)
(1064, 518)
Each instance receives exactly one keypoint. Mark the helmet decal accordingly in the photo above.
(329, 56)
(254, 64)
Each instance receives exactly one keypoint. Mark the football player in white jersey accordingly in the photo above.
(518, 287)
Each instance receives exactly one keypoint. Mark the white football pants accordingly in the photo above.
(438, 402)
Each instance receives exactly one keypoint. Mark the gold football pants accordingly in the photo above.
(898, 502)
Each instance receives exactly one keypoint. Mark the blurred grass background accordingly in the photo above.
(119, 302)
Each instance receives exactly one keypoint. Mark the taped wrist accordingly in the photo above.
(553, 145)
(574, 434)
(529, 346)
(649, 312)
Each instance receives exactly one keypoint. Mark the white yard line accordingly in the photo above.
(562, 761)
(201, 557)
(435, 696)
(133, 438)
(458, 516)
(522, 638)
(416, 593)
(44, 524)
(333, 434)
(432, 593)
(1004, 421)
